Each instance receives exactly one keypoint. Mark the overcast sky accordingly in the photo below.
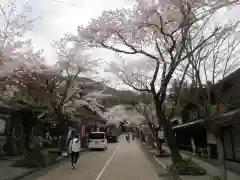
(59, 18)
(63, 16)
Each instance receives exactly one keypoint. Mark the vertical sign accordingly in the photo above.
(108, 129)
(83, 130)
(160, 135)
(221, 107)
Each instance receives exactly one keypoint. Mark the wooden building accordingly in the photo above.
(225, 94)
(16, 127)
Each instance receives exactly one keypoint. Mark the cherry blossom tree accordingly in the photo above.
(204, 86)
(143, 104)
(58, 89)
(121, 112)
(51, 87)
(157, 31)
(16, 20)
(10, 66)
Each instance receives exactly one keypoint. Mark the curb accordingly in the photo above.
(25, 174)
(156, 159)
(160, 163)
(17, 177)
(173, 174)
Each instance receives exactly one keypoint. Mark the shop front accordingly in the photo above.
(231, 136)
(3, 135)
(191, 136)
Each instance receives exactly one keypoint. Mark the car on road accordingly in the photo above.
(97, 140)
(112, 137)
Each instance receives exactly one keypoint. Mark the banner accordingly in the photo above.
(108, 129)
(83, 131)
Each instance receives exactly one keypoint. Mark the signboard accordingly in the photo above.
(160, 134)
(2, 126)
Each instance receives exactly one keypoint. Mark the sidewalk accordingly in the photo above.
(9, 172)
(233, 167)
(210, 168)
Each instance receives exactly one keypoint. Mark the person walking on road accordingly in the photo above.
(128, 137)
(74, 149)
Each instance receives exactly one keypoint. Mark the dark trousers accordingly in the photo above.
(74, 157)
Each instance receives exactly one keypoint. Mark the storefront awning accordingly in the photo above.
(229, 118)
(200, 121)
(224, 119)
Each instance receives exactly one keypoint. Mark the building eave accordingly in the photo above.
(224, 119)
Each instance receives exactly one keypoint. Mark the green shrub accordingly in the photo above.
(187, 167)
(36, 158)
(48, 158)
(27, 163)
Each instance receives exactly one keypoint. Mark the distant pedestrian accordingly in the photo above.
(74, 149)
(128, 137)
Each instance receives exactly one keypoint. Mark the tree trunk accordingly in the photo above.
(63, 129)
(172, 143)
(221, 157)
(159, 147)
(171, 139)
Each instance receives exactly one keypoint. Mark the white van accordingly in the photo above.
(97, 140)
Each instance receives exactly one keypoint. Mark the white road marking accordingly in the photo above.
(107, 163)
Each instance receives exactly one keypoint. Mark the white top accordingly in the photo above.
(75, 145)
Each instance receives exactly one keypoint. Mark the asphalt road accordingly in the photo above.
(121, 161)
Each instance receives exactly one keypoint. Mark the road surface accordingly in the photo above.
(121, 161)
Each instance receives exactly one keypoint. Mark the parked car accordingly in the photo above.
(112, 137)
(97, 140)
